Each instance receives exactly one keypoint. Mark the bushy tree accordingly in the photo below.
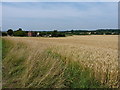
(20, 29)
(19, 32)
(58, 34)
(4, 34)
(10, 32)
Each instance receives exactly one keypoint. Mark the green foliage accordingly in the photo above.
(20, 29)
(78, 77)
(19, 33)
(10, 32)
(4, 34)
(6, 47)
(13, 65)
(55, 33)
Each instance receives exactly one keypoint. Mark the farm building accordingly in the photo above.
(29, 34)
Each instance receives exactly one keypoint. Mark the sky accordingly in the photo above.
(60, 0)
(59, 15)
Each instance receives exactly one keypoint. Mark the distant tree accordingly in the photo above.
(72, 31)
(10, 32)
(55, 31)
(0, 33)
(54, 34)
(19, 32)
(58, 34)
(4, 34)
(20, 29)
(34, 34)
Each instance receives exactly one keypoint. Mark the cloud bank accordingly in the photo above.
(59, 15)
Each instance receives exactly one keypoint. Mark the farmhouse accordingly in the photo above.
(29, 34)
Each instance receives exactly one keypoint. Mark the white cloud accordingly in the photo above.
(35, 16)
(56, 12)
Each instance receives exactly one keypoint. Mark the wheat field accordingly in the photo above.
(52, 62)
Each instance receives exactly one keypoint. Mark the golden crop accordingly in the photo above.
(99, 53)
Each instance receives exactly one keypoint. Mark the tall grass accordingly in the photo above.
(0, 62)
(57, 63)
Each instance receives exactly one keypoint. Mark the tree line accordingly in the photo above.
(22, 33)
(56, 33)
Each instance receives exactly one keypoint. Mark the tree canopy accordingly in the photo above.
(10, 32)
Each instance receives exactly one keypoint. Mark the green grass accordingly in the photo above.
(13, 64)
(0, 48)
(77, 77)
(48, 70)
(6, 47)
(0, 62)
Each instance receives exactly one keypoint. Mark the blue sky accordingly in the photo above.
(60, 0)
(59, 15)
